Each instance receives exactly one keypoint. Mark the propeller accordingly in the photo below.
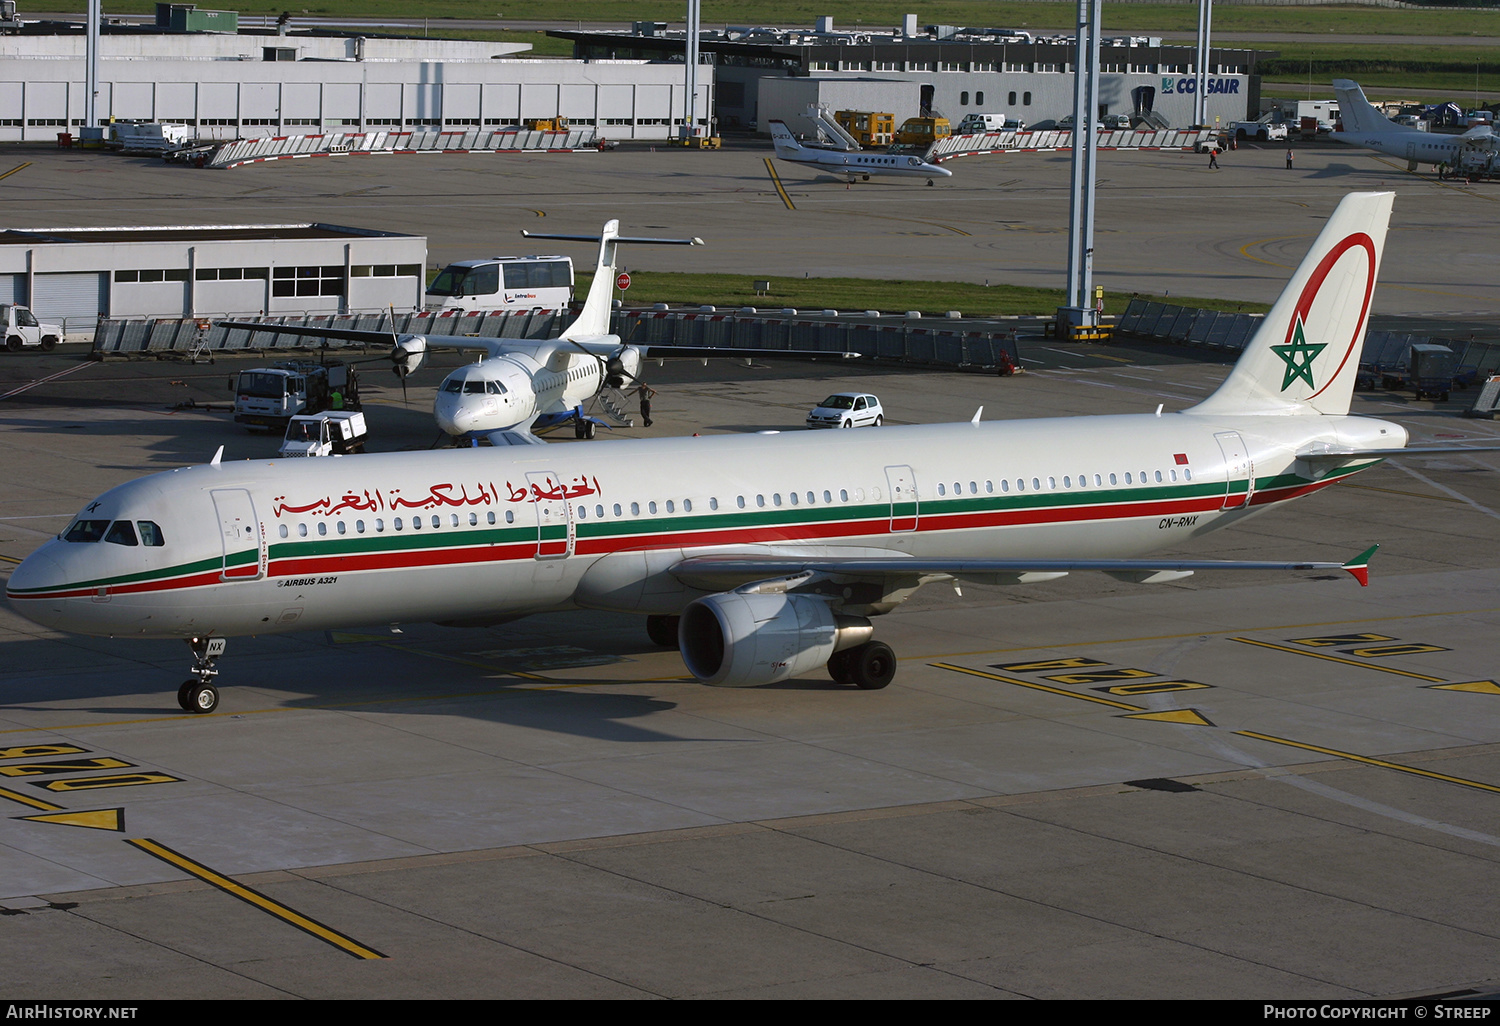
(612, 372)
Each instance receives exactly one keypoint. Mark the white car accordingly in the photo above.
(847, 410)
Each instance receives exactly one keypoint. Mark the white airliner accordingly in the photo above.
(764, 556)
(522, 384)
(1474, 150)
(852, 165)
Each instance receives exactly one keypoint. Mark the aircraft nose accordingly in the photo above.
(29, 586)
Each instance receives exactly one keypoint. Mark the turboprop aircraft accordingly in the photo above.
(852, 165)
(762, 557)
(1474, 150)
(522, 384)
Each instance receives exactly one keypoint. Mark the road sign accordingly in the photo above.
(622, 281)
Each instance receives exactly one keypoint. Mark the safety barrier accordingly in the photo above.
(940, 342)
(335, 144)
(983, 143)
(1384, 352)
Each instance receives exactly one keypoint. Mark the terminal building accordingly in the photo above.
(77, 275)
(948, 70)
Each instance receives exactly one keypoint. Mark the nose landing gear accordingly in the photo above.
(199, 694)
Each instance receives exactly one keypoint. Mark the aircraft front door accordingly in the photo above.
(1239, 472)
(554, 525)
(903, 485)
(239, 532)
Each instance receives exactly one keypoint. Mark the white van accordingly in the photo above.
(503, 283)
(975, 123)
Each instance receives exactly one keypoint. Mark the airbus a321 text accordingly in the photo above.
(522, 384)
(763, 557)
(852, 165)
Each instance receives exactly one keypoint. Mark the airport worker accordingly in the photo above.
(1213, 160)
(336, 400)
(645, 392)
(1289, 159)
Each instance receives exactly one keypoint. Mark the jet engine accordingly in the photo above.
(742, 639)
(408, 354)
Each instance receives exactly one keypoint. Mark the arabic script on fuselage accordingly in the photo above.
(440, 495)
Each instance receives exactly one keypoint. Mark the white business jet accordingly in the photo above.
(763, 557)
(1363, 125)
(852, 165)
(521, 385)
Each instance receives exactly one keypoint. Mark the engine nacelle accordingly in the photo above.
(408, 354)
(741, 639)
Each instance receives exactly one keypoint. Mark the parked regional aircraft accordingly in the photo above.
(852, 165)
(764, 556)
(521, 384)
(1474, 150)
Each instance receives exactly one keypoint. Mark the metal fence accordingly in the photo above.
(947, 342)
(332, 144)
(1384, 352)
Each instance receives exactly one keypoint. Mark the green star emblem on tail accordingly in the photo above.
(1298, 355)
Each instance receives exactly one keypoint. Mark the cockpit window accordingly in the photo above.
(121, 533)
(474, 386)
(454, 385)
(494, 388)
(86, 531)
(150, 534)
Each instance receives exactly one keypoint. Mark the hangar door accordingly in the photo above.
(78, 297)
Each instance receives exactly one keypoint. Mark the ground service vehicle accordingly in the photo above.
(976, 123)
(23, 329)
(503, 283)
(923, 131)
(1265, 131)
(269, 397)
(869, 128)
(1432, 370)
(332, 433)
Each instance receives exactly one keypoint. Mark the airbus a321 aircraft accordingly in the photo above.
(523, 384)
(852, 165)
(1475, 150)
(764, 557)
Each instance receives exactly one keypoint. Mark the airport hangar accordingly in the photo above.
(763, 73)
(77, 275)
(227, 85)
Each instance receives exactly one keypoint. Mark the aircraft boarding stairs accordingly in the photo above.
(614, 404)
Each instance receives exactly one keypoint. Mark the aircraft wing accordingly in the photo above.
(669, 352)
(377, 338)
(728, 571)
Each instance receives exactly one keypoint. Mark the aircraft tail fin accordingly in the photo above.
(1355, 111)
(593, 319)
(1303, 358)
(786, 144)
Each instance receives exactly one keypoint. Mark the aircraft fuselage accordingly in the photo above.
(263, 547)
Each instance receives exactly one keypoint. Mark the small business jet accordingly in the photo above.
(1474, 150)
(520, 385)
(852, 165)
(762, 557)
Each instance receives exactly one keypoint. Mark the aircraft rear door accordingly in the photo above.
(239, 531)
(554, 527)
(1239, 474)
(904, 511)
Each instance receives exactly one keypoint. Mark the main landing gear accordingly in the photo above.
(585, 429)
(870, 666)
(199, 694)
